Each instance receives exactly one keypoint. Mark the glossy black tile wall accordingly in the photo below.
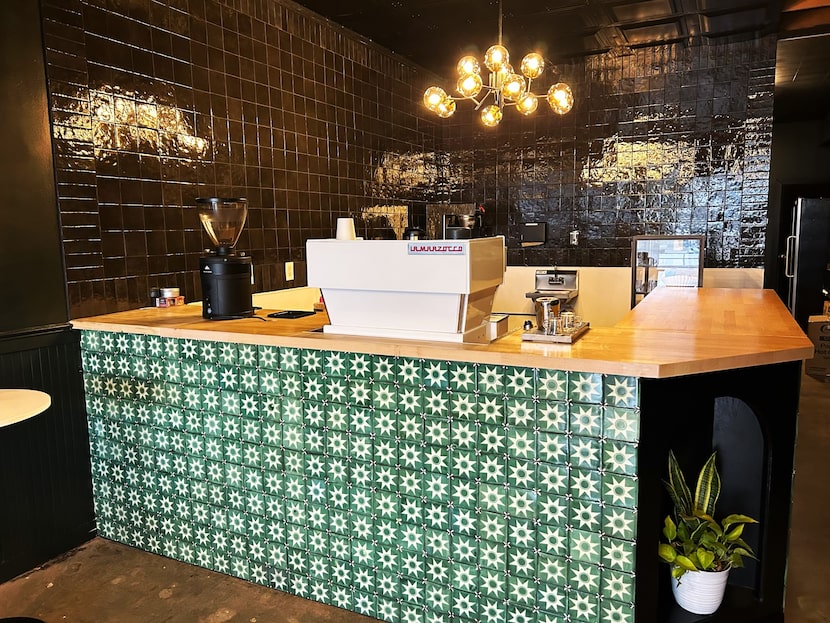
(671, 139)
(156, 103)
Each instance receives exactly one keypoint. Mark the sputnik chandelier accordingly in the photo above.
(507, 87)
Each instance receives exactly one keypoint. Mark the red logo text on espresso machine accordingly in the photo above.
(426, 248)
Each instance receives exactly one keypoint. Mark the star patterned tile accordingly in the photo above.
(409, 490)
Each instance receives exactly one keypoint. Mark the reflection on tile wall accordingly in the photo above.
(154, 105)
(663, 140)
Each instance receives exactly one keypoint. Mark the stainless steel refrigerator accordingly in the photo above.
(807, 262)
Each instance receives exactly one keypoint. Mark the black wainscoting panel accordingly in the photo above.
(45, 483)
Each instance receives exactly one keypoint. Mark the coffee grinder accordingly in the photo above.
(226, 274)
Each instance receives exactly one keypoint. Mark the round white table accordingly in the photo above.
(17, 405)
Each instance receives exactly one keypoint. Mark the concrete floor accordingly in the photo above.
(104, 582)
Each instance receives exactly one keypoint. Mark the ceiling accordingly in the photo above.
(435, 33)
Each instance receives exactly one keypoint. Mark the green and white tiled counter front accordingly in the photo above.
(430, 482)
(407, 489)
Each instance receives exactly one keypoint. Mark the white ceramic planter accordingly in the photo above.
(700, 592)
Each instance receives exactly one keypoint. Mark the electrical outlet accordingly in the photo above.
(289, 271)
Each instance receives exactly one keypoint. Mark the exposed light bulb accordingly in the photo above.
(491, 116)
(467, 65)
(533, 65)
(433, 97)
(496, 57)
(469, 85)
(446, 108)
(527, 103)
(560, 98)
(513, 86)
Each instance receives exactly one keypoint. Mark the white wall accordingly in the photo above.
(604, 293)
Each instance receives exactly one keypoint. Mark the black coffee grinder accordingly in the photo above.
(226, 275)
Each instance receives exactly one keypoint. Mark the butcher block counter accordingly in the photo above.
(417, 481)
(673, 332)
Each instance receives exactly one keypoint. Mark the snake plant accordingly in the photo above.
(694, 539)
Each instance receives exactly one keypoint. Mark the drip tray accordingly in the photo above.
(537, 336)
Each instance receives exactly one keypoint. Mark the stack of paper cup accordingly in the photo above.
(345, 229)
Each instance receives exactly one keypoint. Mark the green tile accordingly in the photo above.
(437, 431)
(552, 417)
(583, 607)
(312, 362)
(463, 493)
(435, 374)
(491, 410)
(270, 382)
(387, 478)
(385, 369)
(621, 424)
(248, 379)
(410, 613)
(585, 452)
(462, 377)
(314, 413)
(586, 515)
(552, 539)
(313, 386)
(616, 612)
(521, 532)
(492, 610)
(619, 457)
(225, 353)
(520, 381)
(492, 526)
(586, 484)
(384, 396)
(521, 443)
(584, 387)
(361, 365)
(584, 577)
(521, 562)
(552, 570)
(553, 479)
(492, 584)
(464, 544)
(336, 364)
(409, 372)
(520, 412)
(618, 554)
(521, 502)
(464, 605)
(619, 490)
(463, 407)
(491, 380)
(617, 586)
(437, 543)
(621, 391)
(552, 448)
(520, 613)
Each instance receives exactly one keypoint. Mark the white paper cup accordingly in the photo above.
(345, 229)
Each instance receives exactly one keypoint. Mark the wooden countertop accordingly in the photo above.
(673, 332)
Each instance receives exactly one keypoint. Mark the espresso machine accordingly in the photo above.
(226, 274)
(461, 226)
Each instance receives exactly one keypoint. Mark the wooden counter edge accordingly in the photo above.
(632, 358)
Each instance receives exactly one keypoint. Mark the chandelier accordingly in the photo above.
(506, 87)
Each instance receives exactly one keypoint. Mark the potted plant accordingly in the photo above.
(700, 549)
